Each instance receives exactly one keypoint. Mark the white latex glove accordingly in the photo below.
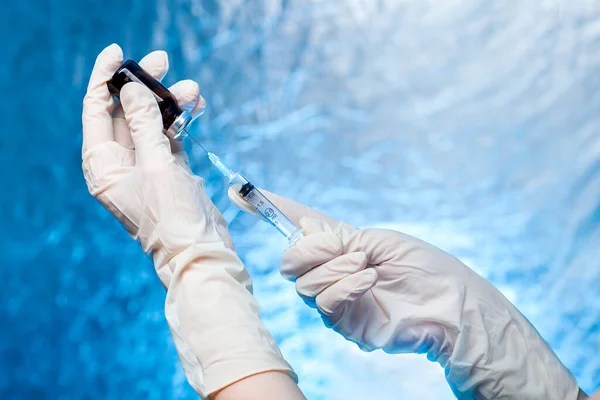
(386, 290)
(129, 168)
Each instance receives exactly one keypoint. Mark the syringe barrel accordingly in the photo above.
(270, 212)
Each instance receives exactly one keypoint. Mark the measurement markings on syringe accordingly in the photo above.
(259, 204)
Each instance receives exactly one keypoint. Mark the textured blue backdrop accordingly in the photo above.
(474, 125)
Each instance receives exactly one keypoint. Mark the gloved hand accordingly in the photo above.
(386, 290)
(129, 167)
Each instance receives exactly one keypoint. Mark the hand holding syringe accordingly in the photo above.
(176, 120)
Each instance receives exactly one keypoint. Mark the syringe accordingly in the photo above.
(259, 201)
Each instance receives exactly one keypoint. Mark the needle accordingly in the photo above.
(195, 141)
(225, 170)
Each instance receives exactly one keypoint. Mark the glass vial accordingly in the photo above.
(175, 120)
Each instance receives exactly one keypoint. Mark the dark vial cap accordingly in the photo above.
(174, 118)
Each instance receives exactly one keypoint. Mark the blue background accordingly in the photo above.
(473, 125)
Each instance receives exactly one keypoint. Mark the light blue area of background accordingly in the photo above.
(473, 125)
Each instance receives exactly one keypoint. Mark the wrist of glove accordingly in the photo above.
(385, 290)
(143, 179)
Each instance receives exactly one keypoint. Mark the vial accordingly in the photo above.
(175, 120)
